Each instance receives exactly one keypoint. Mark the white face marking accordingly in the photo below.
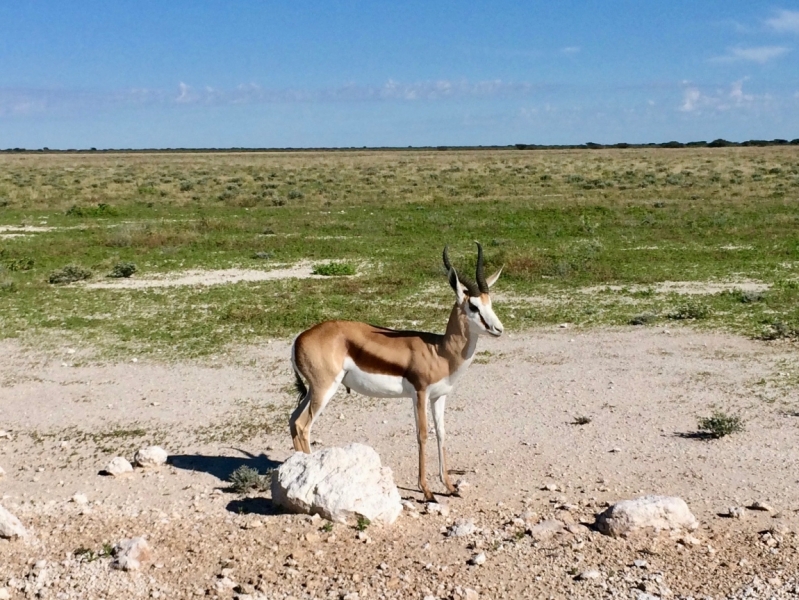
(375, 384)
(482, 317)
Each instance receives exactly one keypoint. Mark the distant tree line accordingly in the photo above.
(718, 143)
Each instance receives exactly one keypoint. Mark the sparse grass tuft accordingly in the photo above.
(646, 318)
(245, 479)
(69, 274)
(362, 523)
(124, 269)
(690, 311)
(334, 269)
(720, 424)
(581, 420)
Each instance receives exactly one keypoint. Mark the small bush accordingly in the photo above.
(7, 286)
(778, 330)
(327, 527)
(581, 420)
(690, 311)
(334, 269)
(123, 270)
(720, 424)
(101, 210)
(644, 319)
(295, 195)
(748, 296)
(262, 255)
(20, 264)
(362, 523)
(246, 478)
(69, 274)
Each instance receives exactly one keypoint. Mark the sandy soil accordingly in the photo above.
(511, 432)
(207, 277)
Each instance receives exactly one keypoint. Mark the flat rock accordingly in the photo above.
(462, 528)
(10, 526)
(736, 512)
(339, 484)
(118, 467)
(545, 529)
(151, 457)
(130, 554)
(656, 512)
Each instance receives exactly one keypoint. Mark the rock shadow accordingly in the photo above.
(222, 466)
(695, 435)
(255, 506)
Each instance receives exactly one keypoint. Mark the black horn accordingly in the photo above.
(479, 275)
(470, 285)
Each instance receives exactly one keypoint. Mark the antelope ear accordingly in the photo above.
(457, 286)
(493, 279)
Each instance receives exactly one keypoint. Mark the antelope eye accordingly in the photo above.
(472, 307)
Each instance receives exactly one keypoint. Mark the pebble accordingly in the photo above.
(437, 508)
(80, 499)
(129, 554)
(545, 530)
(5, 594)
(2, 473)
(119, 466)
(462, 528)
(151, 457)
(478, 559)
(736, 512)
(3, 433)
(758, 505)
(591, 574)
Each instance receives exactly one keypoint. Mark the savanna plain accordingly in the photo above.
(649, 298)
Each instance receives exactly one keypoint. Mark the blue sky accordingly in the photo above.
(138, 74)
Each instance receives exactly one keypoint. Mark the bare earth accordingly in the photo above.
(511, 432)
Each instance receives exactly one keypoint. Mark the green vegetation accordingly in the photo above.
(720, 424)
(596, 232)
(124, 269)
(334, 269)
(362, 523)
(245, 479)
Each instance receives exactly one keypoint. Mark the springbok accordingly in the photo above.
(386, 363)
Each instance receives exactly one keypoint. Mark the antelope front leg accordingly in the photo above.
(420, 412)
(441, 434)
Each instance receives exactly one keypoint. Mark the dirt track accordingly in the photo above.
(510, 430)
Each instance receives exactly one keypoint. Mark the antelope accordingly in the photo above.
(387, 363)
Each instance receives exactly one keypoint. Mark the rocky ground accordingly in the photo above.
(513, 437)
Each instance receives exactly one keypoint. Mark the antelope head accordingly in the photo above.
(473, 296)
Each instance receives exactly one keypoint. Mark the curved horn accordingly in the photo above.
(470, 285)
(479, 275)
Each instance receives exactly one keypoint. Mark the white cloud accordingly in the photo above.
(758, 54)
(720, 100)
(784, 21)
(570, 49)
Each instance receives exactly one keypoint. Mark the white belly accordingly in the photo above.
(374, 384)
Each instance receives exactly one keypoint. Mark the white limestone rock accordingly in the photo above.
(545, 530)
(131, 554)
(656, 512)
(10, 526)
(339, 484)
(118, 467)
(151, 457)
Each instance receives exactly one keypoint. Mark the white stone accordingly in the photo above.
(586, 575)
(10, 526)
(736, 512)
(119, 466)
(3, 433)
(130, 554)
(437, 508)
(478, 559)
(2, 473)
(462, 528)
(545, 529)
(657, 512)
(152, 456)
(338, 483)
(5, 594)
(80, 499)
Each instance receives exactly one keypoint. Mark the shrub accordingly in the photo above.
(720, 424)
(643, 319)
(334, 269)
(20, 264)
(246, 478)
(581, 420)
(69, 274)
(101, 210)
(690, 311)
(123, 270)
(363, 523)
